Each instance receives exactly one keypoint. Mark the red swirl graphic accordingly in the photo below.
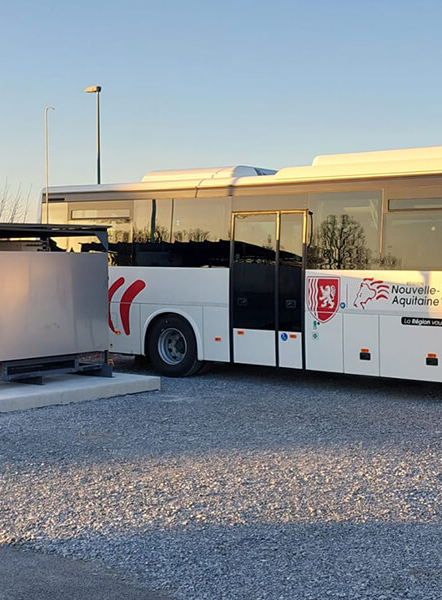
(126, 302)
(113, 288)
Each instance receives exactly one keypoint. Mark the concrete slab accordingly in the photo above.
(64, 389)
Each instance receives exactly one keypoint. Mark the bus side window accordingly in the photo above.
(117, 216)
(412, 238)
(152, 232)
(346, 232)
(201, 232)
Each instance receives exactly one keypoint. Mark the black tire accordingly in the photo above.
(205, 367)
(172, 347)
(141, 361)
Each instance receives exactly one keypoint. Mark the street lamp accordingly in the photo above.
(47, 161)
(96, 89)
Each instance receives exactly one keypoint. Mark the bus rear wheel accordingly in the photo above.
(172, 347)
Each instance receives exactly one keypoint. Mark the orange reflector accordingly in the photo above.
(117, 332)
(240, 332)
(293, 336)
(365, 350)
(432, 355)
(217, 339)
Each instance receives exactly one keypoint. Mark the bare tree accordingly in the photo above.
(14, 206)
(339, 243)
(160, 234)
(192, 235)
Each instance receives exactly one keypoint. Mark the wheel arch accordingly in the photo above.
(161, 314)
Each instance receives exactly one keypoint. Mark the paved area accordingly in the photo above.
(28, 575)
(65, 389)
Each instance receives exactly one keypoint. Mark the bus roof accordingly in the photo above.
(207, 173)
(379, 156)
(174, 179)
(385, 163)
(359, 165)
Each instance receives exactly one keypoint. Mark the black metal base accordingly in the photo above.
(32, 370)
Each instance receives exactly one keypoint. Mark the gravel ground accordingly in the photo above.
(243, 484)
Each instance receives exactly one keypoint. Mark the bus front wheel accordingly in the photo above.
(172, 347)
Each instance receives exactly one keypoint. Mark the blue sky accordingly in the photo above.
(193, 84)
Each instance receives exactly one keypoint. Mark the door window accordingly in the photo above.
(254, 259)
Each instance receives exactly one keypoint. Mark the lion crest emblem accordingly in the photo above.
(323, 297)
(370, 289)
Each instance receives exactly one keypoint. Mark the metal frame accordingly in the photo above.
(45, 232)
(33, 370)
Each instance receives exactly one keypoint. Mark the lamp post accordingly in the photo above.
(47, 161)
(96, 89)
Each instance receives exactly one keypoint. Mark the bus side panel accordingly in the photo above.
(290, 349)
(216, 333)
(361, 344)
(324, 344)
(127, 335)
(148, 292)
(323, 332)
(254, 347)
(391, 320)
(405, 349)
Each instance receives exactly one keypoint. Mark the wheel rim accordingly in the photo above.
(172, 346)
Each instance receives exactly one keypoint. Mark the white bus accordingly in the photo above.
(333, 267)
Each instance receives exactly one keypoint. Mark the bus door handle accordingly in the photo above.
(242, 301)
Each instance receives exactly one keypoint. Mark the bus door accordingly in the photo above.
(267, 263)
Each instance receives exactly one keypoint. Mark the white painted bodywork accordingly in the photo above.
(290, 349)
(395, 315)
(361, 333)
(254, 347)
(403, 350)
(323, 344)
(215, 333)
(258, 347)
(368, 319)
(199, 295)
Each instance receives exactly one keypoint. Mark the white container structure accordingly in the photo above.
(54, 304)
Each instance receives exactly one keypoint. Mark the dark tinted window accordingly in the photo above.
(115, 214)
(290, 271)
(254, 271)
(152, 233)
(165, 232)
(200, 232)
